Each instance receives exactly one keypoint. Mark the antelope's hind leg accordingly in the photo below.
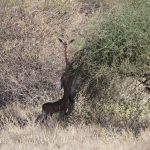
(44, 116)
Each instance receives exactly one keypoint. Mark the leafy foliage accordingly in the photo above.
(116, 52)
(117, 45)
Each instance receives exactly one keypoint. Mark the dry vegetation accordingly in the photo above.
(31, 64)
(71, 137)
(61, 135)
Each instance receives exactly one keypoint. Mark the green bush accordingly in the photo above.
(117, 45)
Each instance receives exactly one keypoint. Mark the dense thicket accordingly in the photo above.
(115, 57)
(117, 45)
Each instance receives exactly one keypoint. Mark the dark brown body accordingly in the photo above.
(69, 85)
(62, 104)
(66, 84)
(50, 108)
(57, 106)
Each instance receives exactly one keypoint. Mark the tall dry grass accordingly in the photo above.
(19, 131)
(79, 137)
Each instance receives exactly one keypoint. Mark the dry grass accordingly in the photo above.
(25, 135)
(80, 137)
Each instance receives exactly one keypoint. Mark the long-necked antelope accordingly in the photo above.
(67, 83)
(68, 77)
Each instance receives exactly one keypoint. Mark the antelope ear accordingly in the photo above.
(61, 40)
(70, 41)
